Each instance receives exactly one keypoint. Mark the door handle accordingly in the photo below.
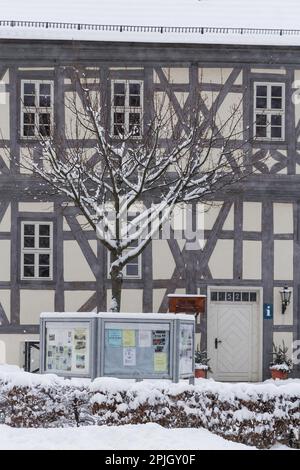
(217, 341)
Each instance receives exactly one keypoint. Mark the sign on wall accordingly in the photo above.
(268, 311)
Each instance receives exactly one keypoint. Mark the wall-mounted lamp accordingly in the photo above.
(285, 294)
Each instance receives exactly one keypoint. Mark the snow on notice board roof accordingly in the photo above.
(280, 17)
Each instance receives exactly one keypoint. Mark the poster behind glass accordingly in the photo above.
(186, 348)
(133, 349)
(67, 347)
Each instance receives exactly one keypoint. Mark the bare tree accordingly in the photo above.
(158, 161)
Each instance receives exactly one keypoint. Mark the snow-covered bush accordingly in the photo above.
(253, 414)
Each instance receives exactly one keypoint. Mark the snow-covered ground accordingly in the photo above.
(141, 436)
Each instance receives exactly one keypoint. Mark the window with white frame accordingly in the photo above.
(36, 250)
(127, 107)
(133, 269)
(269, 111)
(36, 108)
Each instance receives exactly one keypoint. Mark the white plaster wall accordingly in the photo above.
(5, 260)
(214, 75)
(252, 216)
(221, 260)
(279, 318)
(75, 299)
(5, 302)
(5, 223)
(229, 116)
(36, 207)
(33, 303)
(251, 259)
(131, 300)
(283, 259)
(4, 107)
(174, 75)
(229, 221)
(158, 295)
(76, 268)
(279, 336)
(14, 347)
(283, 218)
(72, 127)
(211, 215)
(2, 352)
(163, 261)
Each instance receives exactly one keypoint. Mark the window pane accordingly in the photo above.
(134, 88)
(44, 259)
(28, 229)
(28, 258)
(28, 242)
(44, 124)
(44, 230)
(44, 242)
(276, 132)
(132, 270)
(119, 119)
(29, 88)
(28, 127)
(119, 100)
(237, 296)
(214, 296)
(252, 296)
(261, 131)
(45, 101)
(29, 100)
(134, 123)
(28, 118)
(44, 271)
(119, 88)
(28, 271)
(276, 120)
(261, 102)
(134, 101)
(221, 296)
(245, 296)
(261, 120)
(261, 90)
(276, 91)
(45, 89)
(119, 94)
(276, 103)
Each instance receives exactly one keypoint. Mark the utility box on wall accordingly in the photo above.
(123, 345)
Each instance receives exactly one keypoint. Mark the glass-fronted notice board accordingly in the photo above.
(186, 348)
(137, 349)
(68, 348)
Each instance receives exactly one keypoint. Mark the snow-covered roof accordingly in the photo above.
(120, 315)
(270, 21)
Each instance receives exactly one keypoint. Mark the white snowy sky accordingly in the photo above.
(222, 13)
(240, 13)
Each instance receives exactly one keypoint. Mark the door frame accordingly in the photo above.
(259, 290)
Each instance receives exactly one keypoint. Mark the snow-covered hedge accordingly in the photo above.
(253, 414)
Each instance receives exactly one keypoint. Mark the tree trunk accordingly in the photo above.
(116, 286)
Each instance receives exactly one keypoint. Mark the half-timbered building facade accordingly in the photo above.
(51, 261)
